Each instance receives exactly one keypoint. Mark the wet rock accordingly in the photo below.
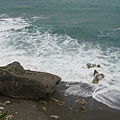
(1, 108)
(82, 102)
(97, 77)
(55, 116)
(98, 66)
(7, 103)
(44, 108)
(19, 83)
(81, 109)
(89, 65)
(53, 100)
(43, 102)
(95, 72)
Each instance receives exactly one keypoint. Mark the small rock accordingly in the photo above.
(44, 108)
(98, 66)
(55, 116)
(56, 101)
(83, 102)
(97, 78)
(43, 102)
(81, 109)
(6, 103)
(1, 108)
(95, 72)
(8, 117)
(89, 65)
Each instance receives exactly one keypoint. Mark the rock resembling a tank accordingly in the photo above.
(19, 83)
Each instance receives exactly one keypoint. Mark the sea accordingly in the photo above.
(62, 37)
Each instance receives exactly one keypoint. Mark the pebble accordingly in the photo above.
(6, 103)
(1, 108)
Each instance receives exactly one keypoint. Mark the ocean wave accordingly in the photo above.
(38, 48)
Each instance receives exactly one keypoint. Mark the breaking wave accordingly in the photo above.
(37, 48)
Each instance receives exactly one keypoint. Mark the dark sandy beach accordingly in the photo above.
(35, 110)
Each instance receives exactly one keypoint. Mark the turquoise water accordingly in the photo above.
(61, 37)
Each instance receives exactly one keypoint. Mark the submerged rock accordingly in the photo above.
(19, 83)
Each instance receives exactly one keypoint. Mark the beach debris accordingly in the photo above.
(89, 65)
(55, 116)
(83, 102)
(44, 108)
(97, 77)
(56, 101)
(1, 108)
(9, 116)
(81, 109)
(53, 100)
(2, 116)
(43, 102)
(7, 103)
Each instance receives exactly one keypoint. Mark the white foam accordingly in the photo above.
(11, 23)
(61, 55)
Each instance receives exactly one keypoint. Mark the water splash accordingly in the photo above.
(38, 49)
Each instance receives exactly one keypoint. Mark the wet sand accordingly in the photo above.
(34, 110)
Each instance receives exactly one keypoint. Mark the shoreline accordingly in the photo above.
(35, 110)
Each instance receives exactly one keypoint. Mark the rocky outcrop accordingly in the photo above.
(19, 83)
(89, 65)
(97, 76)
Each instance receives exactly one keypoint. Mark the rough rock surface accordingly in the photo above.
(97, 77)
(19, 83)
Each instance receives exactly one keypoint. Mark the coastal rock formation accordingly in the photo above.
(89, 65)
(97, 77)
(19, 83)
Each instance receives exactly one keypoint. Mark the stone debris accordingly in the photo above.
(9, 116)
(1, 108)
(56, 101)
(43, 102)
(89, 65)
(7, 103)
(82, 102)
(44, 108)
(81, 109)
(55, 116)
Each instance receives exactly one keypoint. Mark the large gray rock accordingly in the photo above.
(19, 83)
